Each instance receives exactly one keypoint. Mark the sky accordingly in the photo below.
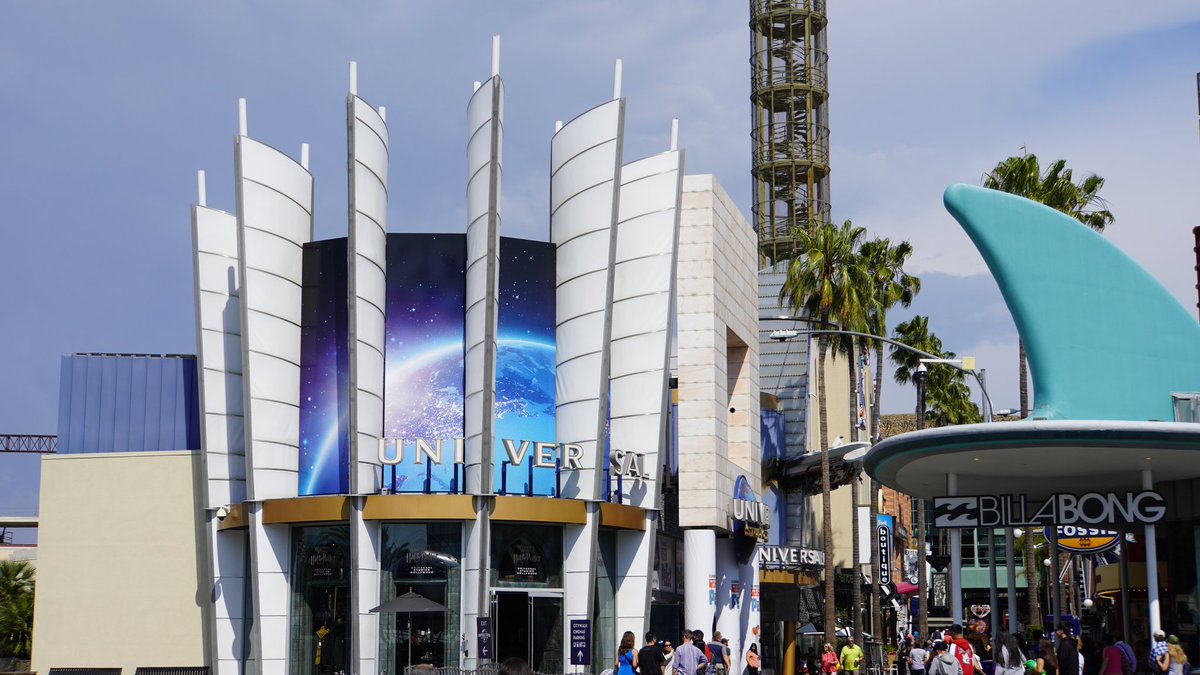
(107, 110)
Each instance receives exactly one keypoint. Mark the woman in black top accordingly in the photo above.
(1047, 662)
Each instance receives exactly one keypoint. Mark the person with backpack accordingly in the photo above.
(1128, 660)
(1112, 661)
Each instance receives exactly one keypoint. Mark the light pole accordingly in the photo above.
(923, 564)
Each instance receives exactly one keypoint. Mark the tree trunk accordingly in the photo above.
(826, 500)
(1023, 373)
(878, 390)
(856, 604)
(1031, 581)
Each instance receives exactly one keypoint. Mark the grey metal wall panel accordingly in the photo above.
(783, 365)
(127, 403)
(274, 211)
(367, 288)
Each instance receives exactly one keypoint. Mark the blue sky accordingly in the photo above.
(108, 109)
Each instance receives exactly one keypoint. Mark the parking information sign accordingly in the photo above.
(483, 630)
(581, 644)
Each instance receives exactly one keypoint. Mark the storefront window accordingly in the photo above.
(527, 556)
(320, 607)
(423, 559)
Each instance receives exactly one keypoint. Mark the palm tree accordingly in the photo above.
(893, 286)
(827, 281)
(947, 396)
(1022, 176)
(16, 608)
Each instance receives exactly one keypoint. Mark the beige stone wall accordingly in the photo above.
(717, 353)
(119, 562)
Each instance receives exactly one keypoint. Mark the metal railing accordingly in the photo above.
(485, 669)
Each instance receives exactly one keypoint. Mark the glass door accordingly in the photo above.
(546, 629)
(529, 626)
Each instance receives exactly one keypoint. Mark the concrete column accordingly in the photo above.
(1055, 583)
(956, 602)
(789, 648)
(1011, 577)
(579, 571)
(1126, 629)
(365, 542)
(635, 568)
(1151, 565)
(475, 575)
(993, 595)
(270, 561)
(700, 570)
(751, 618)
(728, 618)
(228, 597)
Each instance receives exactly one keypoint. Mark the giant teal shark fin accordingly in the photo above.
(1105, 340)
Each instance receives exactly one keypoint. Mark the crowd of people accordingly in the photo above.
(693, 656)
(946, 653)
(950, 653)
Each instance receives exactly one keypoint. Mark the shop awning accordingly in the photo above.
(905, 588)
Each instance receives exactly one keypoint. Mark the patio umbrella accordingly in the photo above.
(409, 603)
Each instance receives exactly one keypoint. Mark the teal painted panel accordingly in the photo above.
(1105, 340)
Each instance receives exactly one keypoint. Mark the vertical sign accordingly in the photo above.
(581, 646)
(883, 540)
(483, 632)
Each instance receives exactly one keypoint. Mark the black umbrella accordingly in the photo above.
(407, 604)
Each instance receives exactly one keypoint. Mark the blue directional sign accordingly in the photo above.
(581, 642)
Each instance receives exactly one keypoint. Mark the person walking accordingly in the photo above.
(1047, 662)
(718, 656)
(942, 662)
(689, 659)
(959, 648)
(668, 652)
(1160, 659)
(903, 650)
(829, 660)
(1068, 651)
(1178, 657)
(1007, 655)
(626, 663)
(753, 662)
(852, 656)
(917, 658)
(650, 659)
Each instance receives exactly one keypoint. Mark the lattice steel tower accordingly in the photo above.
(790, 133)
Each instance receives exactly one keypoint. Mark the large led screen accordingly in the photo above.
(423, 385)
(524, 368)
(324, 371)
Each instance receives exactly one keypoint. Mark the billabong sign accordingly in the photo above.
(1090, 508)
(789, 557)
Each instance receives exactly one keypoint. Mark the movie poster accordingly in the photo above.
(423, 360)
(324, 371)
(525, 368)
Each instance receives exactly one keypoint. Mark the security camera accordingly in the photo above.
(222, 512)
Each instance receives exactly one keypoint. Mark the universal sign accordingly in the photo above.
(567, 456)
(1090, 508)
(789, 557)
